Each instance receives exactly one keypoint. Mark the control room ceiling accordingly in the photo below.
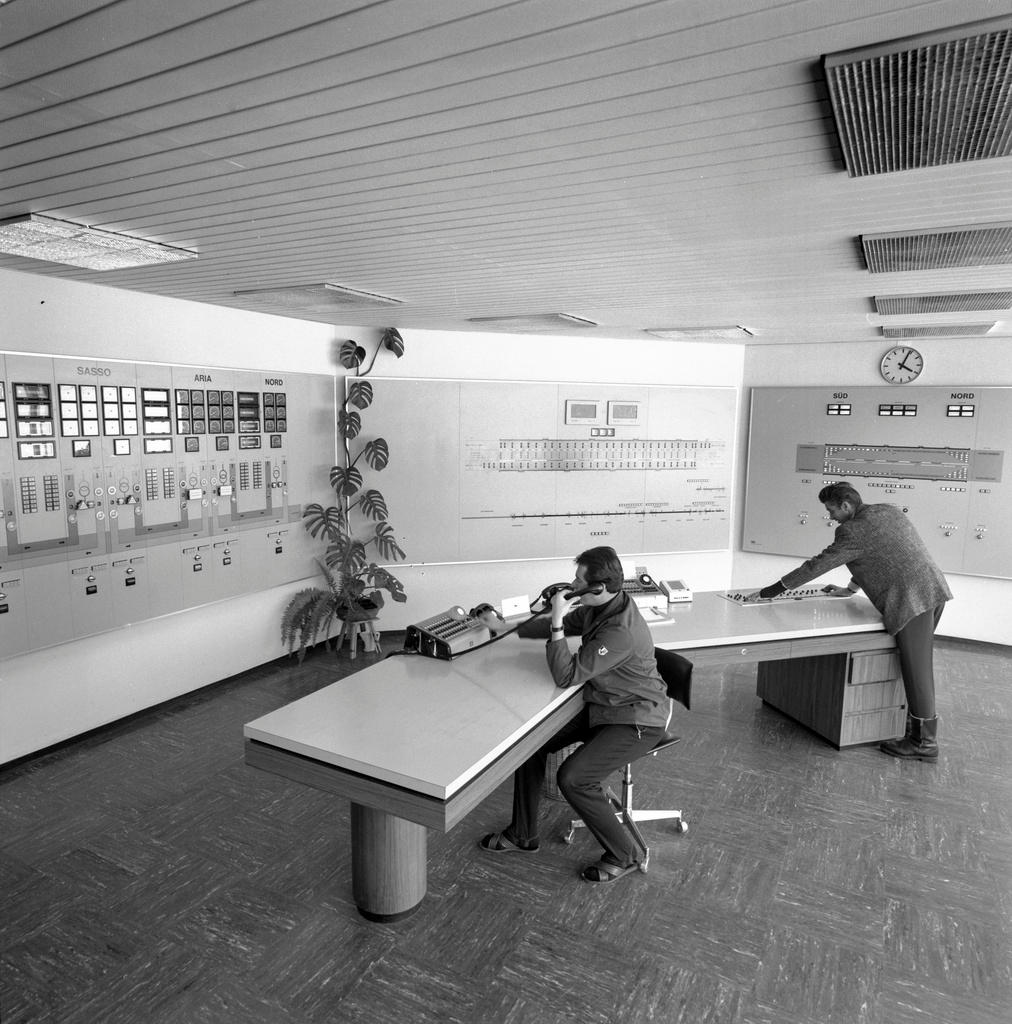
(634, 166)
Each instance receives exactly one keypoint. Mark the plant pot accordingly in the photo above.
(362, 611)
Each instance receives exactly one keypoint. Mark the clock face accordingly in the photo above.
(901, 365)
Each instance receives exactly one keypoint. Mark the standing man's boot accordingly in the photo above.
(920, 742)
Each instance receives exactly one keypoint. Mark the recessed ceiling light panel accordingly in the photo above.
(62, 241)
(317, 298)
(533, 321)
(736, 332)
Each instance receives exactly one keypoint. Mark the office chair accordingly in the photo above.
(676, 672)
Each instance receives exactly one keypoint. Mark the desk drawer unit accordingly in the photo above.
(847, 698)
(874, 705)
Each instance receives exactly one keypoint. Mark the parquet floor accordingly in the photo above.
(148, 875)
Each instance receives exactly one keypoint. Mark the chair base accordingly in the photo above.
(627, 814)
(629, 817)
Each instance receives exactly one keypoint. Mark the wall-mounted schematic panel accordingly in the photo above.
(130, 490)
(940, 454)
(543, 469)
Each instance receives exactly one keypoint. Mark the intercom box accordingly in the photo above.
(676, 591)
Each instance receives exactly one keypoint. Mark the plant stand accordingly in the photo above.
(361, 629)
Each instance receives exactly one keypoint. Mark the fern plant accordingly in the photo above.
(355, 529)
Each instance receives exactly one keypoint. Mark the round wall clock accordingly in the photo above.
(901, 365)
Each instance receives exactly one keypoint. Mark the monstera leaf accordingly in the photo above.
(349, 423)
(386, 543)
(393, 342)
(327, 521)
(373, 505)
(377, 453)
(346, 480)
(360, 394)
(352, 355)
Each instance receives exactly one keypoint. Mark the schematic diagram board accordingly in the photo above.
(490, 470)
(940, 454)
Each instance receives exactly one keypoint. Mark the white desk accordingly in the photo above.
(417, 743)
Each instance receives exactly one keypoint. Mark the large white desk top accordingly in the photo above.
(421, 723)
(431, 726)
(711, 620)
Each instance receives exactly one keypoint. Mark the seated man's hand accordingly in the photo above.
(754, 598)
(835, 591)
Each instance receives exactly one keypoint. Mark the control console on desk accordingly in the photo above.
(644, 591)
(800, 594)
(447, 634)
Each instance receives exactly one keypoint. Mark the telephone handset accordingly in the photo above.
(546, 595)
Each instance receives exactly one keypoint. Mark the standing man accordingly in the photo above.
(625, 712)
(889, 562)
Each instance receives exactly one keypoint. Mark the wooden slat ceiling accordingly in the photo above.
(664, 164)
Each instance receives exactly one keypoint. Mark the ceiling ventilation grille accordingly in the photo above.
(984, 245)
(533, 321)
(941, 331)
(924, 101)
(317, 298)
(956, 302)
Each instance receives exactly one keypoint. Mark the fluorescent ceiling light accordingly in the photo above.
(533, 321)
(317, 298)
(61, 241)
(734, 333)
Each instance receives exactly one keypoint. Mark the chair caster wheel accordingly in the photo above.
(681, 828)
(567, 837)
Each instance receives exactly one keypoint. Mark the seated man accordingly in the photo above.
(625, 712)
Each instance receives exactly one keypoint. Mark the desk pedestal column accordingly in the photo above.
(388, 863)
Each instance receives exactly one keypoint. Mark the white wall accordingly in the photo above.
(980, 608)
(50, 695)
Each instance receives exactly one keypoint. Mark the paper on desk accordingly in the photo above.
(653, 615)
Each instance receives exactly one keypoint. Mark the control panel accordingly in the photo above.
(447, 634)
(939, 454)
(740, 598)
(129, 490)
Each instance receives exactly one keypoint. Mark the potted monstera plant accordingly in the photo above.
(355, 529)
